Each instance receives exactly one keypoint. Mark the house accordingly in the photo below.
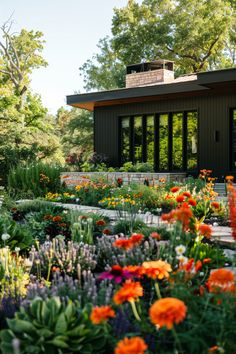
(184, 124)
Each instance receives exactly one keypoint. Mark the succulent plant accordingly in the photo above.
(52, 327)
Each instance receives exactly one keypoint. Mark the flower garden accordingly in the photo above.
(145, 277)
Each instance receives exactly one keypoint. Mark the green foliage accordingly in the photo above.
(18, 235)
(162, 29)
(34, 180)
(52, 327)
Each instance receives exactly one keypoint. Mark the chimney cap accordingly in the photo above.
(151, 65)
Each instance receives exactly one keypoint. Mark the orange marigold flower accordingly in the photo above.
(187, 194)
(215, 205)
(184, 215)
(101, 314)
(101, 222)
(205, 230)
(136, 239)
(167, 311)
(47, 217)
(198, 265)
(175, 189)
(130, 291)
(156, 236)
(213, 349)
(123, 243)
(229, 178)
(179, 198)
(106, 232)
(57, 218)
(206, 260)
(192, 202)
(135, 345)
(221, 280)
(156, 269)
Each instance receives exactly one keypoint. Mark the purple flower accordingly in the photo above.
(116, 273)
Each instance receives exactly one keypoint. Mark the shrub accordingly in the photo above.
(33, 180)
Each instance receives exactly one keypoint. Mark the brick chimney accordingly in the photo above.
(150, 73)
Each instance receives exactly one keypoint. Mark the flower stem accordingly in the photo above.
(134, 309)
(177, 341)
(157, 288)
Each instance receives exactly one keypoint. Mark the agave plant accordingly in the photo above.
(52, 327)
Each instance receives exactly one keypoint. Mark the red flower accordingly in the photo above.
(180, 198)
(187, 194)
(192, 202)
(101, 222)
(198, 265)
(215, 205)
(175, 189)
(156, 236)
(205, 230)
(106, 232)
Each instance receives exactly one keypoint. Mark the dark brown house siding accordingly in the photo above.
(214, 126)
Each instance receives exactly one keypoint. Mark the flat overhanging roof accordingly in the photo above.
(204, 82)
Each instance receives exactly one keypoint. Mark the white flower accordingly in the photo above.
(180, 250)
(182, 259)
(5, 237)
(28, 263)
(17, 249)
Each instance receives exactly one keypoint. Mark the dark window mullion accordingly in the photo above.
(156, 142)
(170, 141)
(185, 132)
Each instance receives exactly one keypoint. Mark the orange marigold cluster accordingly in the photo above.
(129, 243)
(168, 311)
(221, 280)
(205, 230)
(156, 269)
(101, 314)
(135, 345)
(130, 291)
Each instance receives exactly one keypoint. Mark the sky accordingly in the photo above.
(71, 30)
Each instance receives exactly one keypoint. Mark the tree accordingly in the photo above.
(76, 130)
(197, 34)
(26, 131)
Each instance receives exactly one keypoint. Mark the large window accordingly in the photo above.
(168, 141)
(233, 139)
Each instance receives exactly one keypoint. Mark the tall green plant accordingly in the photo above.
(34, 180)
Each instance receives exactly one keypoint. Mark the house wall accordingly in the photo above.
(213, 113)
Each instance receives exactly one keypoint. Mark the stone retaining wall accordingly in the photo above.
(75, 178)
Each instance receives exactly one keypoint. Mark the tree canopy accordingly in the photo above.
(197, 34)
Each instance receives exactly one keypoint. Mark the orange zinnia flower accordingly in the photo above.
(57, 218)
(205, 230)
(135, 345)
(175, 189)
(187, 194)
(101, 222)
(130, 291)
(229, 178)
(221, 280)
(136, 239)
(123, 243)
(184, 215)
(180, 198)
(192, 202)
(215, 205)
(156, 269)
(166, 312)
(101, 314)
(156, 236)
